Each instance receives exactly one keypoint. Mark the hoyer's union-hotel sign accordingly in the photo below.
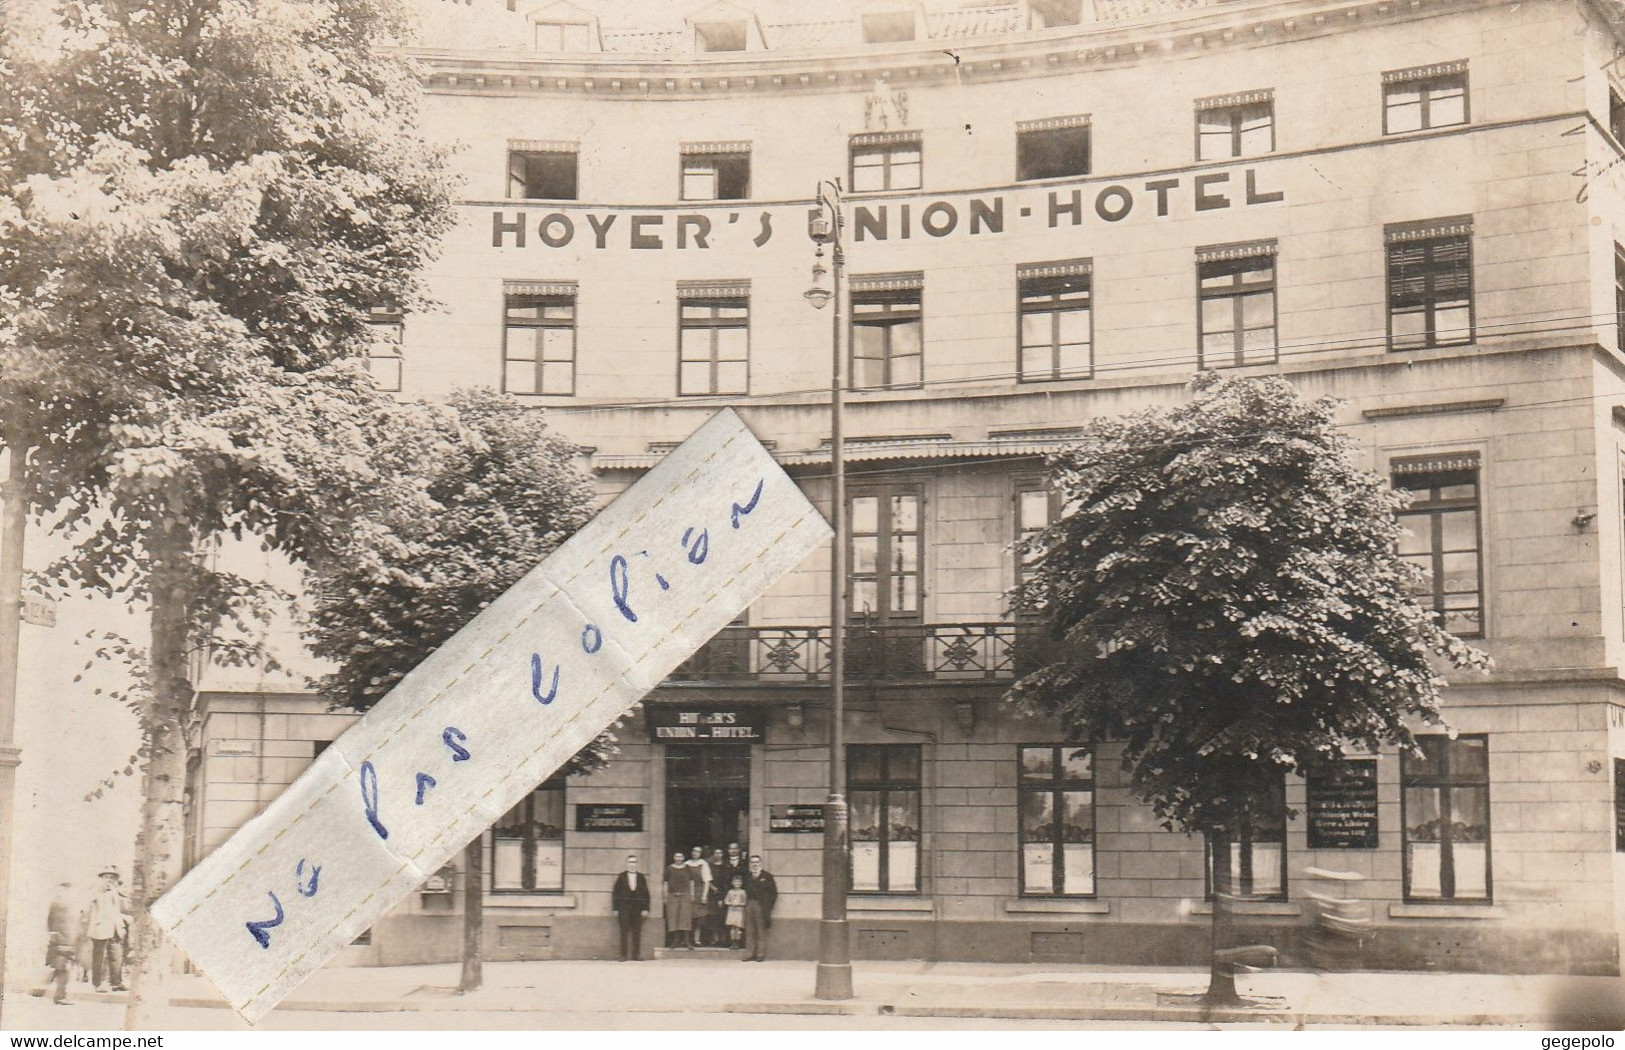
(886, 220)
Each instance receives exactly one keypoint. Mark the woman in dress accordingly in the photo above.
(701, 872)
(679, 901)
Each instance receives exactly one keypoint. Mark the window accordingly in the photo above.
(1430, 286)
(1235, 126)
(542, 174)
(564, 36)
(1424, 98)
(1050, 149)
(883, 787)
(1056, 322)
(1052, 14)
(1446, 804)
(887, 334)
(1037, 506)
(1257, 851)
(885, 161)
(1057, 821)
(1442, 539)
(891, 27)
(1236, 293)
(1619, 805)
(1619, 297)
(886, 551)
(714, 344)
(539, 344)
(527, 844)
(1616, 116)
(716, 173)
(385, 331)
(719, 36)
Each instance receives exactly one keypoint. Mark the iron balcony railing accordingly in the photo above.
(893, 652)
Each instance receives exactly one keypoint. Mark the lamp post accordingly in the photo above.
(834, 936)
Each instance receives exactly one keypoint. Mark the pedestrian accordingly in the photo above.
(734, 863)
(107, 923)
(734, 900)
(716, 910)
(702, 897)
(679, 900)
(60, 936)
(761, 893)
(630, 899)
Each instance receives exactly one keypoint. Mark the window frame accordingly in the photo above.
(1425, 83)
(886, 535)
(558, 784)
(1237, 112)
(1619, 296)
(1433, 510)
(1244, 838)
(1430, 307)
(884, 146)
(884, 786)
(575, 176)
(699, 157)
(888, 320)
(1445, 781)
(1056, 786)
(712, 325)
(1023, 485)
(384, 317)
(563, 29)
(1238, 292)
(541, 301)
(1028, 288)
(1054, 129)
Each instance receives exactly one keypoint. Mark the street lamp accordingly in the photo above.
(834, 936)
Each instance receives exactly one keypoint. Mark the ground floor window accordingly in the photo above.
(1446, 798)
(883, 788)
(1257, 851)
(1057, 821)
(527, 844)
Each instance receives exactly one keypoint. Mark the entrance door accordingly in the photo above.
(707, 797)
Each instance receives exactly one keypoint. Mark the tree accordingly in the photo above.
(201, 200)
(1230, 605)
(504, 492)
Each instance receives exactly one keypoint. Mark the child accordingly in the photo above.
(735, 902)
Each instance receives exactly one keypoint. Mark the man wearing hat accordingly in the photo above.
(106, 923)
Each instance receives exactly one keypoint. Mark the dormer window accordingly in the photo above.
(1052, 14)
(889, 27)
(563, 36)
(720, 36)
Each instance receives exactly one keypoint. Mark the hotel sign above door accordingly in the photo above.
(883, 219)
(711, 725)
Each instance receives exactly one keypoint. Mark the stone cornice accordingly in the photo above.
(1012, 56)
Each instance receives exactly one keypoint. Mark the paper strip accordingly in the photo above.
(492, 713)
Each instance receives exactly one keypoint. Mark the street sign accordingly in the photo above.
(39, 610)
(492, 713)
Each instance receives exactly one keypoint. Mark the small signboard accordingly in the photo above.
(591, 816)
(712, 725)
(39, 610)
(796, 820)
(1343, 806)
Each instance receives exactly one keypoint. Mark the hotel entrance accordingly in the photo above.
(707, 797)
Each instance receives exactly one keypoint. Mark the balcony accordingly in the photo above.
(913, 652)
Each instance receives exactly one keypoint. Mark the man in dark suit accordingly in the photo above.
(630, 900)
(761, 893)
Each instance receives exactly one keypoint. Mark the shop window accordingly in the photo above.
(886, 161)
(1430, 285)
(719, 36)
(883, 789)
(1257, 851)
(1054, 14)
(1227, 129)
(527, 843)
(1057, 800)
(564, 36)
(385, 331)
(889, 27)
(1424, 98)
(713, 345)
(716, 176)
(887, 336)
(1236, 319)
(542, 174)
(1442, 538)
(886, 550)
(1446, 799)
(539, 344)
(1051, 149)
(1056, 322)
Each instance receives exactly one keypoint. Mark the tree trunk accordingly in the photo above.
(1221, 985)
(163, 809)
(473, 915)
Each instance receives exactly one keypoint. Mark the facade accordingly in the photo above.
(1054, 211)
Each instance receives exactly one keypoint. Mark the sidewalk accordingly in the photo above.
(1002, 991)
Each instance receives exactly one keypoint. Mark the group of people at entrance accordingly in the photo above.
(721, 901)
